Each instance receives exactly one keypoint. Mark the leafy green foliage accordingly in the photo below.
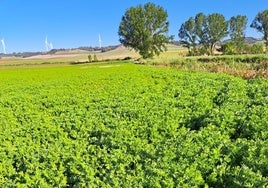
(216, 28)
(187, 33)
(254, 49)
(231, 48)
(89, 58)
(144, 28)
(124, 125)
(237, 26)
(95, 59)
(260, 23)
(203, 30)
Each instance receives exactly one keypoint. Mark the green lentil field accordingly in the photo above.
(127, 125)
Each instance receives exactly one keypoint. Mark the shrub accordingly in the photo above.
(254, 49)
(89, 58)
(95, 59)
(229, 48)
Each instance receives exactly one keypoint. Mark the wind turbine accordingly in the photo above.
(4, 46)
(51, 46)
(47, 45)
(99, 40)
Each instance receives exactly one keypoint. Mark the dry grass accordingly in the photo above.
(245, 66)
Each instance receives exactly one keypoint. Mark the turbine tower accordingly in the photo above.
(51, 46)
(47, 45)
(4, 46)
(99, 40)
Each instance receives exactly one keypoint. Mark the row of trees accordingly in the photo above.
(145, 29)
(201, 33)
(208, 30)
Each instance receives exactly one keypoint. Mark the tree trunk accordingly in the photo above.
(212, 49)
(266, 42)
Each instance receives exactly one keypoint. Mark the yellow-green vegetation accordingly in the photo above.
(127, 125)
(247, 66)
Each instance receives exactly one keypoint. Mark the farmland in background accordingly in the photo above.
(65, 57)
(246, 66)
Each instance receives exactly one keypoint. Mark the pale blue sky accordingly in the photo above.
(24, 24)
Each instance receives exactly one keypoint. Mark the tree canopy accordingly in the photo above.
(207, 30)
(237, 27)
(216, 28)
(260, 23)
(187, 33)
(145, 28)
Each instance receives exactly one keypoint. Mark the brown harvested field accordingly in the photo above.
(82, 55)
(49, 56)
(76, 56)
(118, 53)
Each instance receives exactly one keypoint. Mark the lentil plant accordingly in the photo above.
(124, 125)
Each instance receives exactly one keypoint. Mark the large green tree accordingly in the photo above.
(237, 27)
(191, 32)
(261, 24)
(187, 33)
(214, 30)
(145, 28)
(200, 21)
(203, 30)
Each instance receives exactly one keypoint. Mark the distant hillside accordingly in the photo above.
(247, 40)
(104, 52)
(79, 50)
(251, 40)
(120, 52)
